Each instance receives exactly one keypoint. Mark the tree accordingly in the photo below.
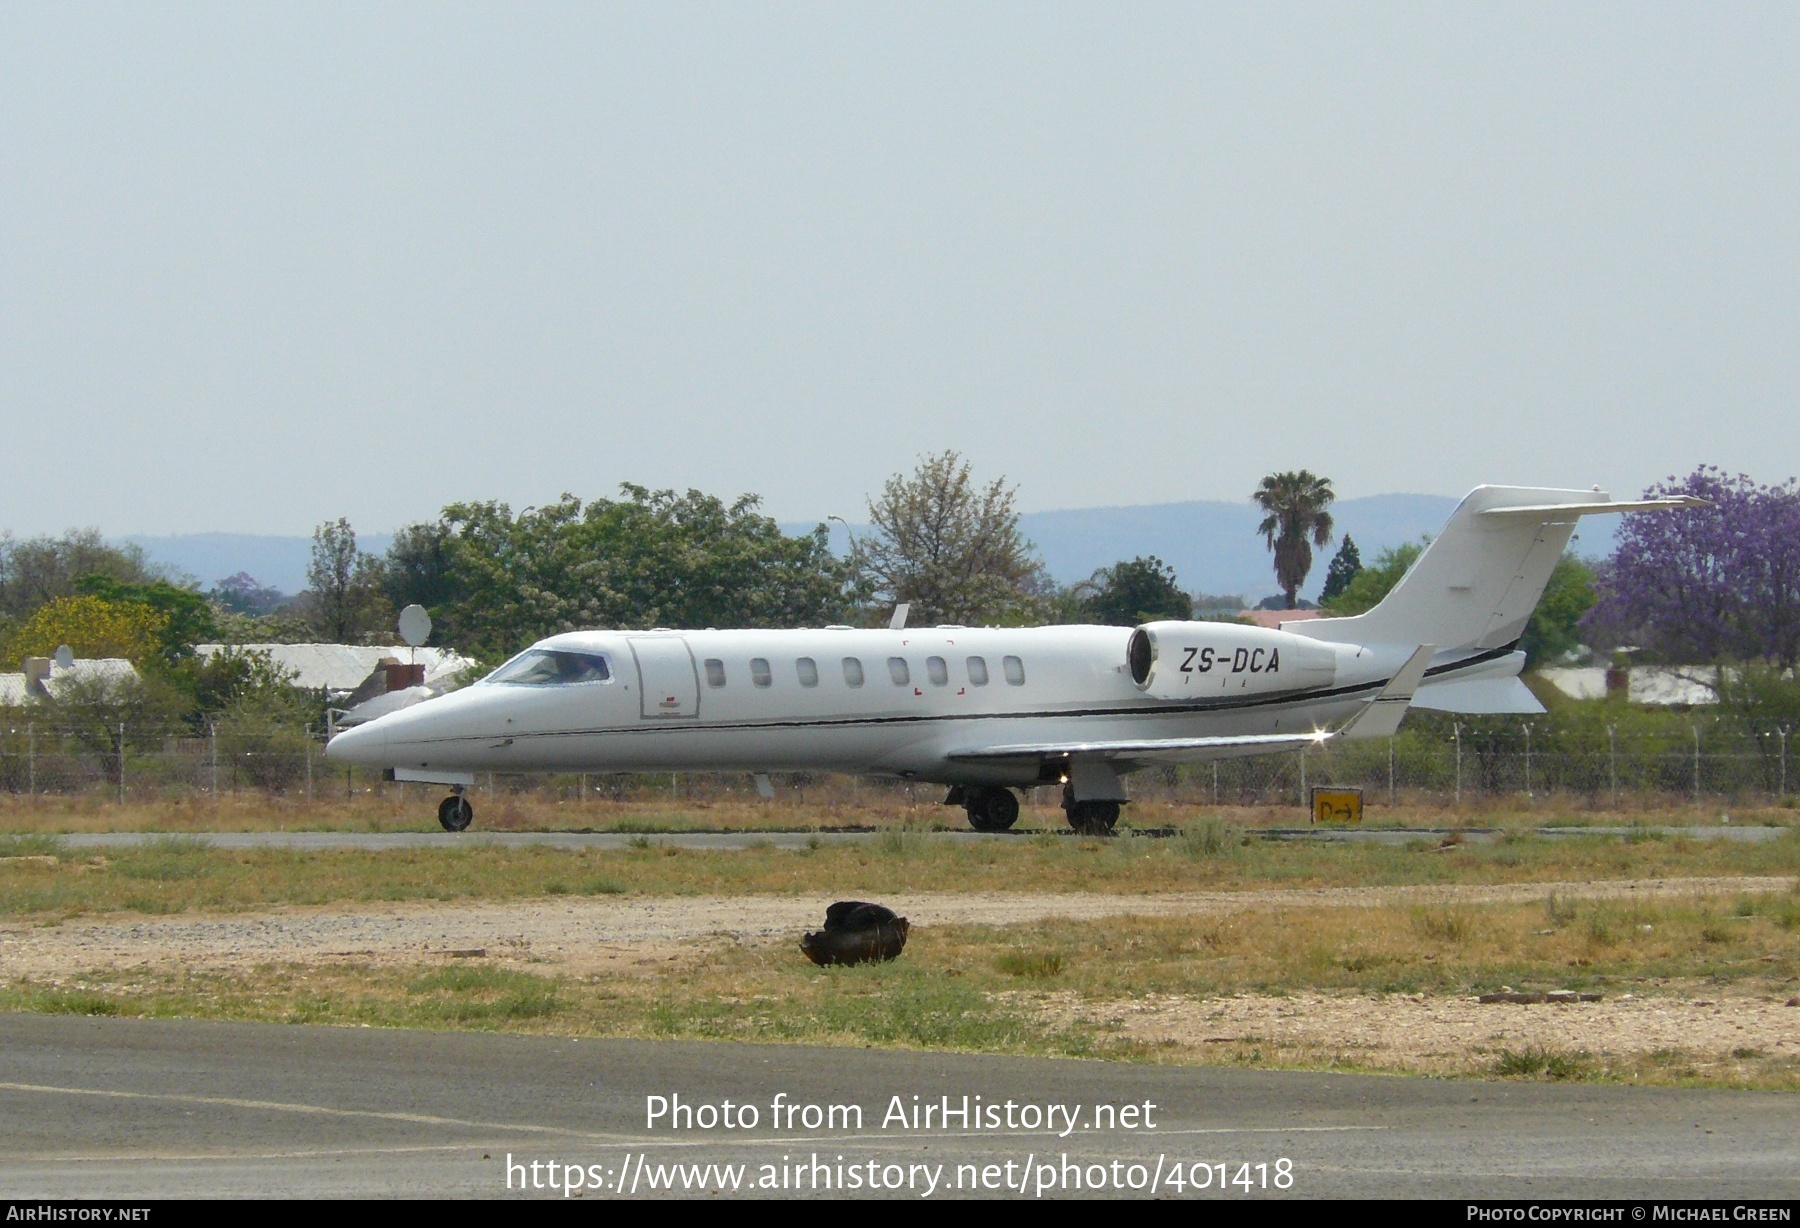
(494, 581)
(91, 708)
(345, 602)
(1708, 583)
(41, 569)
(949, 548)
(243, 594)
(91, 627)
(1375, 581)
(232, 674)
(187, 615)
(1555, 627)
(421, 567)
(1141, 590)
(1344, 566)
(1295, 522)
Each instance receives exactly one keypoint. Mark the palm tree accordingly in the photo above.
(1296, 522)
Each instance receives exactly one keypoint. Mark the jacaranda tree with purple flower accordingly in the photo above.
(1712, 583)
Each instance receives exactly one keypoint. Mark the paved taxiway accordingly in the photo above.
(120, 1108)
(317, 841)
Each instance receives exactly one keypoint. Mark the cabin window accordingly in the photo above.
(1015, 670)
(853, 675)
(715, 672)
(938, 671)
(978, 671)
(552, 667)
(759, 671)
(808, 669)
(898, 672)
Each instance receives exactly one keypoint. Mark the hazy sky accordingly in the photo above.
(261, 265)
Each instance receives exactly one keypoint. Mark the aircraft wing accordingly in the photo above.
(1150, 750)
(1380, 717)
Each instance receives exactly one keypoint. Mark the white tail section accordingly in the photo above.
(1475, 586)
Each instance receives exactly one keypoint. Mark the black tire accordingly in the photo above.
(455, 813)
(992, 809)
(1094, 818)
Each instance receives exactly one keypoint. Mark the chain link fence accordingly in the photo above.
(1443, 763)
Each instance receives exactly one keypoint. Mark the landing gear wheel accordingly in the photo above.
(992, 809)
(455, 813)
(1093, 818)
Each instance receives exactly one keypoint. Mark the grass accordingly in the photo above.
(32, 844)
(1011, 989)
(178, 874)
(1024, 988)
(1536, 1062)
(728, 803)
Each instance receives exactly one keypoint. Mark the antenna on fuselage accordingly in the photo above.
(898, 621)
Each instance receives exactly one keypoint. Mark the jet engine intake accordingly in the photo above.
(1191, 660)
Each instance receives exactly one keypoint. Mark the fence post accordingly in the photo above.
(121, 763)
(212, 736)
(1303, 778)
(1458, 729)
(1215, 768)
(309, 765)
(1696, 729)
(31, 758)
(583, 791)
(1783, 734)
(1612, 766)
(1390, 771)
(1527, 729)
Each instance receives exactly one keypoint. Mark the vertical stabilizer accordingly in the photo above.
(1474, 587)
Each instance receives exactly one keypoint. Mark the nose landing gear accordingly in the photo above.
(455, 813)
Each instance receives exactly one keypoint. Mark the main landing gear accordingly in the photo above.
(1092, 817)
(455, 813)
(992, 809)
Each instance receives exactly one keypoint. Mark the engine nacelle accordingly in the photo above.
(1182, 660)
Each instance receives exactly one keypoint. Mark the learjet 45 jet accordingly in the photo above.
(986, 710)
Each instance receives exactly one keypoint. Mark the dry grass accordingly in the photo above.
(43, 880)
(1063, 988)
(729, 804)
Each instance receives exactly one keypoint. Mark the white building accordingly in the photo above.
(43, 678)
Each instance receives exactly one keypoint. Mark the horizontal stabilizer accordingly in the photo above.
(1479, 697)
(1552, 513)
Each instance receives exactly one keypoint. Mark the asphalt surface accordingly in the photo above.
(115, 1108)
(375, 841)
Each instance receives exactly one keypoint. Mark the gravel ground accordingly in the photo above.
(1439, 1035)
(603, 932)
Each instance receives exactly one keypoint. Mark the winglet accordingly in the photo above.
(1380, 717)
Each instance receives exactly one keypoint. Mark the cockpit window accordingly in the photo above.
(552, 667)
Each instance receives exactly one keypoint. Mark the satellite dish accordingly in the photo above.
(415, 625)
(64, 657)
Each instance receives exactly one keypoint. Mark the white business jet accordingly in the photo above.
(985, 710)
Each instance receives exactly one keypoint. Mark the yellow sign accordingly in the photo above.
(1337, 805)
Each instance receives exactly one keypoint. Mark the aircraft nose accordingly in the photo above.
(364, 744)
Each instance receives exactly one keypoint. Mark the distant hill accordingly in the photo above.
(279, 562)
(1212, 545)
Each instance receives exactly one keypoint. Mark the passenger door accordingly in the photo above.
(667, 684)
